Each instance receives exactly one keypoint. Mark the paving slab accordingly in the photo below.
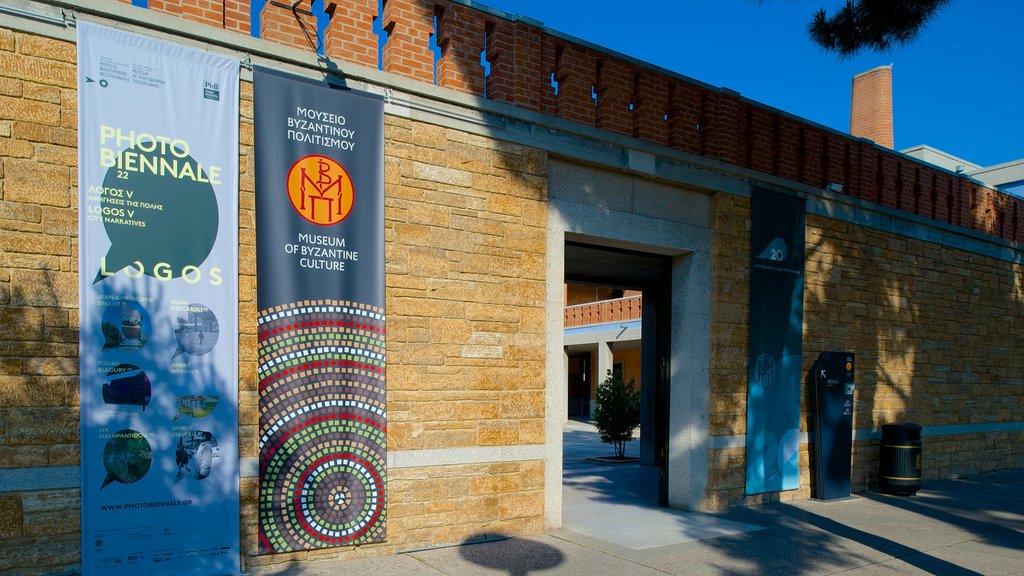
(612, 527)
(395, 565)
(618, 504)
(640, 528)
(543, 554)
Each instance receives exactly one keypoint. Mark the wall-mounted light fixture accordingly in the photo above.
(834, 187)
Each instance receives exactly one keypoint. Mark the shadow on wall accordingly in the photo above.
(189, 428)
(860, 299)
(39, 422)
(932, 328)
(41, 419)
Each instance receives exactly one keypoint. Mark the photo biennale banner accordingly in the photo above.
(158, 288)
(320, 294)
(776, 340)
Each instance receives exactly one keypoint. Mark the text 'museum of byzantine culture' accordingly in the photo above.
(277, 291)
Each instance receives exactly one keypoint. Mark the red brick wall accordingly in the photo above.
(209, 12)
(409, 24)
(633, 100)
(349, 36)
(576, 74)
(295, 28)
(236, 16)
(615, 86)
(522, 61)
(652, 105)
(460, 36)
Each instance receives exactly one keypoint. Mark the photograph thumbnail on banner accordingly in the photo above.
(320, 295)
(158, 286)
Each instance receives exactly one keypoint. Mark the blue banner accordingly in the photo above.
(158, 287)
(776, 340)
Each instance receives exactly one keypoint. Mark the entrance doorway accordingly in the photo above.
(621, 229)
(622, 272)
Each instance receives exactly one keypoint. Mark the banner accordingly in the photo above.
(320, 269)
(776, 335)
(158, 288)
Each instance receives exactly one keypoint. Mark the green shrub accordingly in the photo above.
(618, 411)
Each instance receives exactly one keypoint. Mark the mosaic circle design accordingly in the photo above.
(322, 426)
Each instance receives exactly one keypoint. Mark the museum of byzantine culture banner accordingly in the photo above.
(320, 296)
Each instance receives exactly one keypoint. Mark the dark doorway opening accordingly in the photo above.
(579, 385)
(622, 269)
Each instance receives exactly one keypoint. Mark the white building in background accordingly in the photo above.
(1007, 177)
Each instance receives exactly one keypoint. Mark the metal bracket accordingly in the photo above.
(293, 7)
(65, 20)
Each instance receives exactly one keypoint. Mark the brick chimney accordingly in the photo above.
(871, 106)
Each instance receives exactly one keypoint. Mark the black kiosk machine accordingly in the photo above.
(833, 424)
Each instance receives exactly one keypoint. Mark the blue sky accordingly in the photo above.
(959, 87)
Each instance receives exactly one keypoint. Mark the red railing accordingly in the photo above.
(618, 310)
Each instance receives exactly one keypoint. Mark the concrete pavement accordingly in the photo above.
(960, 527)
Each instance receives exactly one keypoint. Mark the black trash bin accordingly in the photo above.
(899, 466)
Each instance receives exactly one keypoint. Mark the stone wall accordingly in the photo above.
(933, 325)
(730, 316)
(465, 224)
(933, 331)
(39, 530)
